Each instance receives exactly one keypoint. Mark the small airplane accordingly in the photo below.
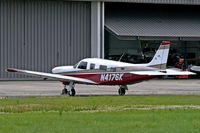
(195, 69)
(95, 71)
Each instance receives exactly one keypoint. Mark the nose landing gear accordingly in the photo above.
(64, 91)
(70, 90)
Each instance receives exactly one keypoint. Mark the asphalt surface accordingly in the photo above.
(53, 88)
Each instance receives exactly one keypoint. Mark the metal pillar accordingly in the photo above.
(97, 29)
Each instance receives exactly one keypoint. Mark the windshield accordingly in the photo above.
(75, 65)
(82, 65)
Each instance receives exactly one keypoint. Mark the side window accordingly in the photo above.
(113, 69)
(92, 66)
(82, 65)
(102, 67)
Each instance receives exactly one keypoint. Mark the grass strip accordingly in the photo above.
(129, 121)
(96, 103)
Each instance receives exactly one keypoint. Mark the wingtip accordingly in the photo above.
(11, 70)
(166, 43)
(192, 73)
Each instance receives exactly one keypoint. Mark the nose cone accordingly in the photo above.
(54, 70)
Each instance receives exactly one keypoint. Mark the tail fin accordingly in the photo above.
(160, 58)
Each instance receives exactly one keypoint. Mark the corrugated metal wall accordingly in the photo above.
(183, 2)
(37, 35)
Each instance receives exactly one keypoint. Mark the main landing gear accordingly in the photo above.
(122, 90)
(70, 90)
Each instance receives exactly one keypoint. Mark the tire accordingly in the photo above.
(64, 92)
(72, 93)
(122, 91)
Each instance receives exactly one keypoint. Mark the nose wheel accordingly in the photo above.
(122, 90)
(70, 90)
(64, 91)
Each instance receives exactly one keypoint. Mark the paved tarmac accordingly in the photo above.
(53, 88)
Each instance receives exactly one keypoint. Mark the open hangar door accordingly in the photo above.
(136, 30)
(39, 34)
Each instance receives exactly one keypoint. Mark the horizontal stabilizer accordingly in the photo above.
(150, 73)
(178, 72)
(162, 73)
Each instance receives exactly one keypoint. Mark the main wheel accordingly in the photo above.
(72, 92)
(121, 91)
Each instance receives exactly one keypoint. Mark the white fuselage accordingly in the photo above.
(96, 62)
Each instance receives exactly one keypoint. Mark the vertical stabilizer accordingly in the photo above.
(160, 58)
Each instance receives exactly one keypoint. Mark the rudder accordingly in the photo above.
(160, 58)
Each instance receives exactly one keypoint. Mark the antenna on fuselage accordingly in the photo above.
(121, 57)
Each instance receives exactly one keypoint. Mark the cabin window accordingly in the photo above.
(113, 69)
(102, 67)
(82, 65)
(92, 66)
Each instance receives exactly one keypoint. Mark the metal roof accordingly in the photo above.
(153, 24)
(184, 2)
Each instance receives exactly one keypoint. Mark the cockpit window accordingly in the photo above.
(82, 65)
(75, 65)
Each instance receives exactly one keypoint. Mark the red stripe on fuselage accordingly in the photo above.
(112, 78)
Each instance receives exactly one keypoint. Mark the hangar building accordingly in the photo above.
(39, 34)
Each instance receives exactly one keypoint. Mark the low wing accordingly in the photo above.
(163, 73)
(52, 76)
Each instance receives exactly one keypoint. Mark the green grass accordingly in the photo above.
(19, 105)
(156, 121)
(107, 114)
